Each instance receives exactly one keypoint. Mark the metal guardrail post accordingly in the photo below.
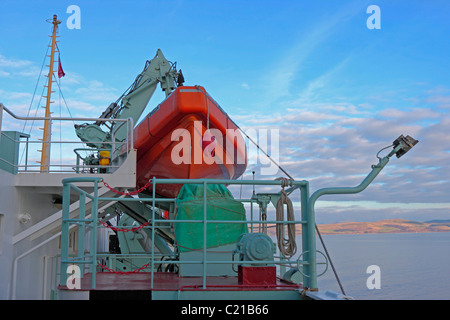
(204, 233)
(376, 169)
(65, 233)
(153, 234)
(308, 240)
(80, 259)
(81, 229)
(1, 118)
(93, 246)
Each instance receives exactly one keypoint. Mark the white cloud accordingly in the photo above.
(13, 62)
(11, 95)
(92, 96)
(96, 90)
(16, 67)
(314, 87)
(336, 146)
(441, 101)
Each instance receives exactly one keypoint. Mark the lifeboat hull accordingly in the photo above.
(188, 136)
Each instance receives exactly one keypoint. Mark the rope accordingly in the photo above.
(35, 88)
(331, 262)
(260, 149)
(32, 99)
(287, 246)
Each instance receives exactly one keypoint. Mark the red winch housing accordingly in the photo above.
(257, 275)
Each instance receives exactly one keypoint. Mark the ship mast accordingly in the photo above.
(45, 152)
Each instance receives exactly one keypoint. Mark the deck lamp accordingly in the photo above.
(406, 144)
(401, 145)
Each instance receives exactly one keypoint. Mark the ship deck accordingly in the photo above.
(166, 281)
(167, 285)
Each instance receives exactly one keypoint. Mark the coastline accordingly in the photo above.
(382, 226)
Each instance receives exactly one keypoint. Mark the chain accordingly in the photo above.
(128, 193)
(123, 272)
(125, 230)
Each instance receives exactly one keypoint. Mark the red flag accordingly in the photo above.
(60, 69)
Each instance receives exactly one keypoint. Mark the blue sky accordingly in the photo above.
(337, 91)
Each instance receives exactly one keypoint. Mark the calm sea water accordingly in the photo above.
(412, 266)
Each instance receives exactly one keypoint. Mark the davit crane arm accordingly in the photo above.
(133, 102)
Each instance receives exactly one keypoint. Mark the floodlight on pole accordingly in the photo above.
(400, 146)
(406, 144)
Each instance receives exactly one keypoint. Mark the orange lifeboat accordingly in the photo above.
(188, 136)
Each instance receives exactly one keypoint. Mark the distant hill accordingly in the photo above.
(383, 226)
(438, 221)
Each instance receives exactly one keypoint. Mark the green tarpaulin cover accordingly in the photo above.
(220, 206)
